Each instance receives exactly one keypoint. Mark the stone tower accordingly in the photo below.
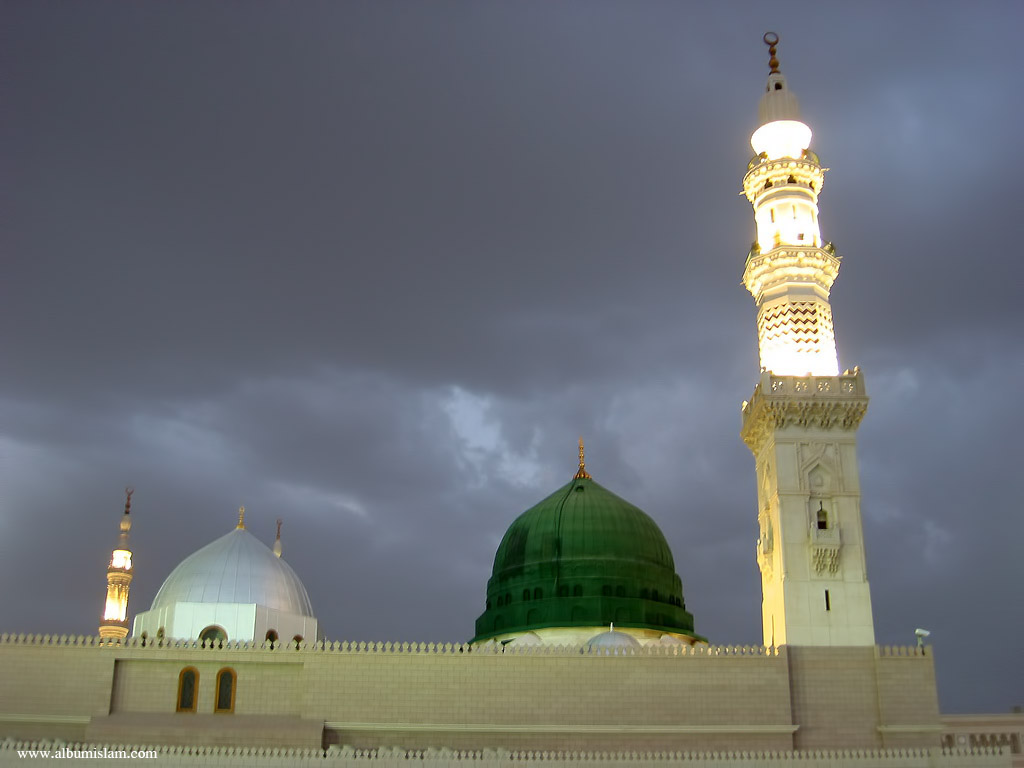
(119, 579)
(802, 419)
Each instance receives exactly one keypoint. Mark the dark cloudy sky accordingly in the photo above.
(373, 267)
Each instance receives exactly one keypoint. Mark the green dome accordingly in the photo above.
(583, 557)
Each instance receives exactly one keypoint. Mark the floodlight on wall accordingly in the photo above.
(921, 634)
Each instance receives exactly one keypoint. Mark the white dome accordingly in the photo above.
(237, 568)
(612, 641)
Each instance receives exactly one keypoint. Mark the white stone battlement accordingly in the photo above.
(903, 650)
(384, 648)
(486, 758)
(397, 648)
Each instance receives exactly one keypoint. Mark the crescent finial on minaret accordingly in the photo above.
(772, 40)
(128, 491)
(241, 518)
(277, 541)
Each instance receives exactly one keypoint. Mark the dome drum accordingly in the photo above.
(583, 612)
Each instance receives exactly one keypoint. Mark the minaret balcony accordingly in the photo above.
(770, 175)
(790, 264)
(825, 402)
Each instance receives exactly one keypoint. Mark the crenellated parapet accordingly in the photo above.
(442, 757)
(383, 648)
(824, 402)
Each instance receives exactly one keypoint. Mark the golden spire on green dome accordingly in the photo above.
(581, 473)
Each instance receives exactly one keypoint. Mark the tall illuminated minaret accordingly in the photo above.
(802, 419)
(119, 579)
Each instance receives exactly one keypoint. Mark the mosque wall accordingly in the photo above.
(431, 696)
(863, 697)
(51, 692)
(539, 699)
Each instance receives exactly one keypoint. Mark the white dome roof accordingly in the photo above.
(612, 640)
(236, 568)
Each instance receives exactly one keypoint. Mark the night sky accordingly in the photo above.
(373, 268)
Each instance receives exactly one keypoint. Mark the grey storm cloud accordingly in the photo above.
(372, 268)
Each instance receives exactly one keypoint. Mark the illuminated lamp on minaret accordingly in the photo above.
(801, 422)
(119, 579)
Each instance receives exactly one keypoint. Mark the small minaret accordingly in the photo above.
(802, 419)
(119, 579)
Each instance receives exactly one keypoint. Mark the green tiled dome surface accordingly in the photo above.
(583, 557)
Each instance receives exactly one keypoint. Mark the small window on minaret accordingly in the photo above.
(828, 601)
(778, 86)
(822, 518)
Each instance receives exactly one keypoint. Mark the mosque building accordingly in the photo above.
(585, 650)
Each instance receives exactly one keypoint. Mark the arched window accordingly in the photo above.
(577, 591)
(271, 636)
(225, 691)
(508, 599)
(297, 641)
(501, 601)
(188, 684)
(213, 636)
(526, 594)
(563, 590)
(538, 593)
(822, 518)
